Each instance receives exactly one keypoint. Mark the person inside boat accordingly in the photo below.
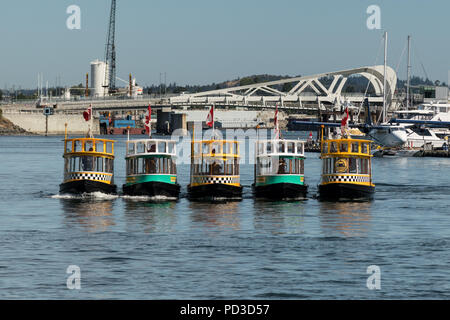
(150, 165)
(282, 166)
(88, 162)
(216, 168)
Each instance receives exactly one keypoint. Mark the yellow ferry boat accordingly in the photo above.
(214, 169)
(346, 169)
(88, 166)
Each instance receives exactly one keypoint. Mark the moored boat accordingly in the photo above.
(346, 169)
(279, 169)
(151, 168)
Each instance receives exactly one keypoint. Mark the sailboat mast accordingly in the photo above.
(408, 73)
(384, 77)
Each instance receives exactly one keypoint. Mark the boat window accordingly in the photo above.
(99, 164)
(229, 168)
(161, 147)
(226, 148)
(363, 166)
(140, 147)
(109, 165)
(66, 165)
(89, 146)
(281, 147)
(269, 147)
(99, 146)
(283, 167)
(171, 146)
(151, 147)
(300, 148)
(302, 166)
(88, 163)
(364, 148)
(130, 148)
(352, 165)
(325, 147)
(216, 148)
(68, 146)
(196, 147)
(343, 147)
(205, 148)
(109, 147)
(150, 165)
(333, 147)
(355, 147)
(77, 146)
(235, 148)
(291, 147)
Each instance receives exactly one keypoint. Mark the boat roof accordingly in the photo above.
(151, 147)
(280, 147)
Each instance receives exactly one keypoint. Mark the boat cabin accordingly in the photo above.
(150, 157)
(89, 159)
(279, 157)
(215, 162)
(346, 160)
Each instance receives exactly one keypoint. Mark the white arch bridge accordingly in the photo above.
(305, 90)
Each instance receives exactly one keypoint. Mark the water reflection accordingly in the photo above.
(279, 217)
(92, 215)
(351, 219)
(216, 214)
(151, 216)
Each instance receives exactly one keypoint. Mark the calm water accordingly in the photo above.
(132, 249)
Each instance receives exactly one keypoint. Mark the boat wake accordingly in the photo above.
(149, 198)
(89, 196)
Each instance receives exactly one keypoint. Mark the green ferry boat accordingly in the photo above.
(151, 168)
(279, 169)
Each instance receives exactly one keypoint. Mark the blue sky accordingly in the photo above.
(205, 41)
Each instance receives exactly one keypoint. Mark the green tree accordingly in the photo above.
(1, 95)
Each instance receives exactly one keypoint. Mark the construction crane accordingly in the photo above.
(110, 55)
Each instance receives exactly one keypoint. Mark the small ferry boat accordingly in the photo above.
(88, 166)
(346, 169)
(151, 168)
(214, 170)
(279, 169)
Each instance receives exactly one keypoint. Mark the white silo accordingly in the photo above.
(99, 78)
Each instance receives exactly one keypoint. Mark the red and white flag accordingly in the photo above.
(88, 113)
(275, 123)
(344, 121)
(210, 117)
(148, 118)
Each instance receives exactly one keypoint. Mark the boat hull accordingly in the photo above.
(214, 191)
(152, 189)
(335, 191)
(87, 186)
(279, 191)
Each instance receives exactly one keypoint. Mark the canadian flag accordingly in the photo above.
(275, 122)
(148, 118)
(210, 117)
(88, 113)
(344, 122)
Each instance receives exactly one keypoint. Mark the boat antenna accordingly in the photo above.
(408, 73)
(384, 77)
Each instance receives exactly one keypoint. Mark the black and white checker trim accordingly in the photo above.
(216, 179)
(346, 179)
(88, 176)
